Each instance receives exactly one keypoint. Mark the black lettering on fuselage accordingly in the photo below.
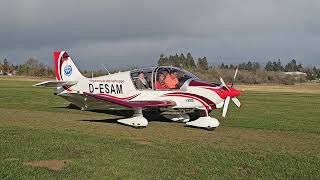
(106, 88)
(119, 88)
(91, 88)
(101, 88)
(112, 89)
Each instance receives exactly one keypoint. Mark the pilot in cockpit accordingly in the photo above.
(141, 82)
(171, 81)
(160, 84)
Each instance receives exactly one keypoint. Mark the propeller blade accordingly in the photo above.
(223, 83)
(236, 101)
(234, 77)
(225, 107)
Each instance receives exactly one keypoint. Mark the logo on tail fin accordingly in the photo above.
(67, 70)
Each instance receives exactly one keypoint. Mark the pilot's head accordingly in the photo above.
(141, 74)
(161, 77)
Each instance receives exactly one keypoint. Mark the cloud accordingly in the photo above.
(140, 30)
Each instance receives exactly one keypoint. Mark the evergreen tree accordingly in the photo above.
(249, 66)
(269, 66)
(202, 63)
(161, 60)
(274, 66)
(291, 66)
(5, 65)
(222, 66)
(255, 66)
(314, 69)
(190, 62)
(242, 66)
(205, 63)
(182, 60)
(279, 66)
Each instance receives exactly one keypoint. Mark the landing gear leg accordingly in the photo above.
(136, 121)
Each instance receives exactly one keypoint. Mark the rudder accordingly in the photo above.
(65, 68)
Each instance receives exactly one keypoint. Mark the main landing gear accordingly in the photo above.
(136, 121)
(205, 121)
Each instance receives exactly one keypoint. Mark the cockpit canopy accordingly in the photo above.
(160, 78)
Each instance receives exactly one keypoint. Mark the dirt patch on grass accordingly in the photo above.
(54, 165)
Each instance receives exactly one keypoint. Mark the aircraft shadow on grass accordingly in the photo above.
(151, 115)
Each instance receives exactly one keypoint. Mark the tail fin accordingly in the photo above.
(65, 69)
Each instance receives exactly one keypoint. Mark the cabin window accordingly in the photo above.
(142, 78)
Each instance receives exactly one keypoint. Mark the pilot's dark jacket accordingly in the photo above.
(140, 85)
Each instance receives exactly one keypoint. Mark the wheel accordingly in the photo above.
(210, 128)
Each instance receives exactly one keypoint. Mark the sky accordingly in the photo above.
(120, 33)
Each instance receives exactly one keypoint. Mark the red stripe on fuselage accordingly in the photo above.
(67, 88)
(118, 98)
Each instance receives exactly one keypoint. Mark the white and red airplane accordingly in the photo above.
(121, 91)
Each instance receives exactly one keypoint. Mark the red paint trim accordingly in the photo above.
(118, 98)
(67, 88)
(56, 55)
(203, 83)
(56, 64)
(224, 93)
(65, 56)
(58, 60)
(133, 104)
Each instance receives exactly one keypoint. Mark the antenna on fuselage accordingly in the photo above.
(106, 69)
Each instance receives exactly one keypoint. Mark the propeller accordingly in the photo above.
(225, 106)
(236, 101)
(234, 77)
(227, 100)
(224, 84)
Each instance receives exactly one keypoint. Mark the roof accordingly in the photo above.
(295, 73)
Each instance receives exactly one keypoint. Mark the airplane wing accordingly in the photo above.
(132, 104)
(55, 83)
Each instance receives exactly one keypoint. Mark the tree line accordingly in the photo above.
(188, 62)
(183, 61)
(198, 66)
(31, 67)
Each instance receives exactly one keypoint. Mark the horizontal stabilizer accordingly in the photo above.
(55, 83)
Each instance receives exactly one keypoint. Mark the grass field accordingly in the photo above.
(275, 135)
